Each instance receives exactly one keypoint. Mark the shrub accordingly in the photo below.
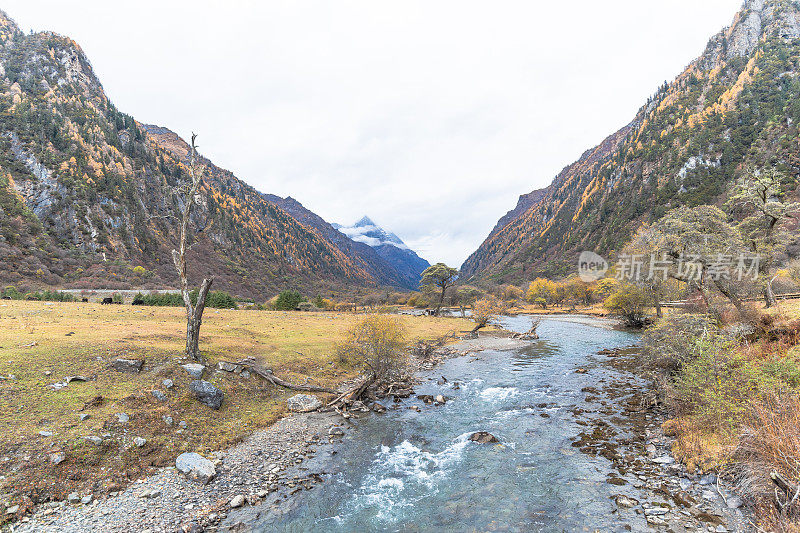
(218, 300)
(288, 301)
(378, 344)
(630, 303)
(485, 310)
(307, 306)
(673, 340)
(139, 271)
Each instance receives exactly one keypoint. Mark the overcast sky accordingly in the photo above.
(431, 117)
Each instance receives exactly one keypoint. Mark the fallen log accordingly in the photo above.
(249, 364)
(791, 491)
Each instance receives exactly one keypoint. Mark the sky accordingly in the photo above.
(431, 117)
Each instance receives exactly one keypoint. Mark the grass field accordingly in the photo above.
(43, 343)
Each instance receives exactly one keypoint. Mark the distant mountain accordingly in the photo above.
(389, 247)
(736, 106)
(86, 194)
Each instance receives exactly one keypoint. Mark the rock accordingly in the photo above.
(167, 383)
(245, 374)
(123, 418)
(624, 501)
(13, 509)
(664, 460)
(158, 395)
(139, 441)
(57, 458)
(183, 424)
(581, 371)
(167, 420)
(441, 381)
(685, 484)
(73, 497)
(207, 394)
(721, 529)
(656, 511)
(45, 433)
(734, 502)
(195, 370)
(262, 493)
(709, 495)
(196, 467)
(482, 437)
(336, 432)
(128, 365)
(94, 440)
(303, 403)
(651, 451)
(70, 379)
(237, 501)
(84, 416)
(148, 493)
(86, 500)
(229, 367)
(709, 479)
(440, 399)
(378, 407)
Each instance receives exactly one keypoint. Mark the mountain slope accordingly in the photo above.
(738, 105)
(86, 192)
(390, 248)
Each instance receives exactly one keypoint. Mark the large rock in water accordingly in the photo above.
(303, 403)
(207, 393)
(196, 467)
(482, 437)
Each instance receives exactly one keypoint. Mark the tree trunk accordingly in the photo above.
(195, 319)
(769, 295)
(730, 295)
(659, 312)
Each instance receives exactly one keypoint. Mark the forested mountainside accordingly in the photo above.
(389, 247)
(87, 193)
(737, 106)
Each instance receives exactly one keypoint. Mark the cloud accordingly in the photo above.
(432, 116)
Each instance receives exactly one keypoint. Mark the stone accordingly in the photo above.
(167, 383)
(70, 379)
(440, 399)
(656, 511)
(709, 479)
(378, 407)
(183, 424)
(195, 370)
(245, 374)
(167, 420)
(13, 509)
(73, 497)
(86, 500)
(581, 371)
(229, 367)
(336, 432)
(139, 441)
(207, 394)
(709, 495)
(57, 458)
(123, 418)
(624, 501)
(303, 403)
(84, 416)
(132, 366)
(148, 493)
(94, 440)
(664, 460)
(734, 502)
(158, 395)
(196, 467)
(685, 484)
(482, 437)
(237, 501)
(45, 433)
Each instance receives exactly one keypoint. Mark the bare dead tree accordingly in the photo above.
(194, 312)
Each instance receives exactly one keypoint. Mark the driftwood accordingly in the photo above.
(791, 492)
(249, 364)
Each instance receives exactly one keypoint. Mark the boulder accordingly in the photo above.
(482, 437)
(237, 501)
(303, 403)
(158, 395)
(139, 441)
(207, 394)
(195, 370)
(132, 366)
(196, 467)
(229, 367)
(167, 383)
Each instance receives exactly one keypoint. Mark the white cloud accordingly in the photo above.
(433, 116)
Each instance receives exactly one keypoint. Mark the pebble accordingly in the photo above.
(94, 440)
(12, 509)
(158, 395)
(167, 383)
(123, 418)
(45, 433)
(73, 497)
(84, 416)
(139, 441)
(237, 501)
(167, 420)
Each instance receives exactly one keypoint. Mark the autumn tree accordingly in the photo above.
(194, 311)
(541, 290)
(758, 201)
(688, 244)
(485, 310)
(439, 278)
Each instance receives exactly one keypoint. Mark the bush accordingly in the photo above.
(485, 310)
(288, 301)
(630, 303)
(307, 306)
(378, 344)
(673, 340)
(215, 299)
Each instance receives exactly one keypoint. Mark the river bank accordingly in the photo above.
(320, 472)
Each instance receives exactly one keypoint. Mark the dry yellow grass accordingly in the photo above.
(43, 343)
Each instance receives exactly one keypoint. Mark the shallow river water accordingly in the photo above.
(417, 471)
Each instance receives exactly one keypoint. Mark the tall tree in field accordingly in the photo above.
(194, 311)
(758, 201)
(439, 277)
